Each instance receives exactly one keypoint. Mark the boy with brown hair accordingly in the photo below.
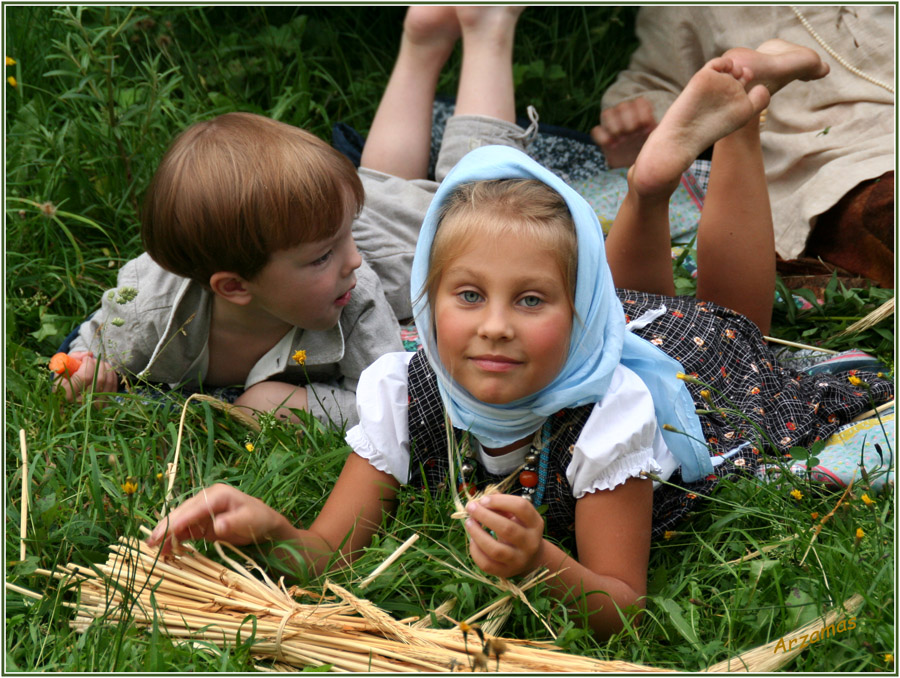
(251, 274)
(249, 259)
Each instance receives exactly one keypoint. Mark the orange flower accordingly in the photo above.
(64, 364)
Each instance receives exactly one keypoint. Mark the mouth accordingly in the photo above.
(494, 363)
(344, 299)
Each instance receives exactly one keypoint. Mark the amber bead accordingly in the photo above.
(528, 478)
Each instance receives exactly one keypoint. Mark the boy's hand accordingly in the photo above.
(106, 381)
(518, 539)
(622, 131)
(221, 513)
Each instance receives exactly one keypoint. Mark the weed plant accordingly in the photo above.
(100, 92)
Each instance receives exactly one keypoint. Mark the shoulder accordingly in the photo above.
(391, 368)
(382, 434)
(623, 422)
(620, 438)
(146, 283)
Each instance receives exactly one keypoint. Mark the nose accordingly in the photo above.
(495, 323)
(352, 259)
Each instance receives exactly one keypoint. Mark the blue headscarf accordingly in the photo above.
(599, 340)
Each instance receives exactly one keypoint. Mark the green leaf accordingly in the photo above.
(674, 612)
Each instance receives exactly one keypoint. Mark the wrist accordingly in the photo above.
(283, 531)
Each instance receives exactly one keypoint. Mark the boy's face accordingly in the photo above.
(503, 322)
(308, 285)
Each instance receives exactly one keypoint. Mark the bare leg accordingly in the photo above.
(714, 104)
(735, 240)
(399, 141)
(486, 79)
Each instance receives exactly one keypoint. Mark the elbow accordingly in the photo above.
(626, 612)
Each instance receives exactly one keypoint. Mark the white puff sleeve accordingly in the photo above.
(382, 401)
(620, 439)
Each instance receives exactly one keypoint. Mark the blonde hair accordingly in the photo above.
(511, 208)
(232, 190)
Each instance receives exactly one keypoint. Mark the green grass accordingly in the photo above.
(101, 92)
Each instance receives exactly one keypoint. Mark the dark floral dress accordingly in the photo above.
(748, 402)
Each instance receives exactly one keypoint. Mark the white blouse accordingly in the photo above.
(619, 440)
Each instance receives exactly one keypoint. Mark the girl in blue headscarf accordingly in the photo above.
(567, 400)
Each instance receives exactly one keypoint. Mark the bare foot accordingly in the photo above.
(714, 104)
(432, 28)
(775, 63)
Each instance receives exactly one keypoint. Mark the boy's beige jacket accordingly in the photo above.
(155, 325)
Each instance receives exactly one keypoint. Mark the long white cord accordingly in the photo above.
(837, 57)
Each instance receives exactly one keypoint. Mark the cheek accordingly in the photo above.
(449, 335)
(551, 340)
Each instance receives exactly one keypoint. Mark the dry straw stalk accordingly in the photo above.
(193, 598)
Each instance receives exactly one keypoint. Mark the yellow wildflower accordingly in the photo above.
(668, 534)
(706, 395)
(299, 357)
(129, 487)
(159, 476)
(796, 494)
(867, 500)
(859, 536)
(814, 515)
(249, 447)
(10, 61)
(12, 81)
(856, 381)
(889, 658)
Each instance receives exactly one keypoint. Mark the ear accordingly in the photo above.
(231, 287)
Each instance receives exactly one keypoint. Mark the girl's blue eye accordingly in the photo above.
(470, 297)
(531, 301)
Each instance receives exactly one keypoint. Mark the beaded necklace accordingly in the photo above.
(533, 482)
(837, 57)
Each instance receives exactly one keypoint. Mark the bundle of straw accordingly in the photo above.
(190, 597)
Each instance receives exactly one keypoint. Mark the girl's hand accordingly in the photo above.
(221, 513)
(92, 372)
(518, 537)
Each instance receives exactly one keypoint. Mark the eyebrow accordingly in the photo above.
(525, 280)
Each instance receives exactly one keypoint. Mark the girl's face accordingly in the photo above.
(502, 318)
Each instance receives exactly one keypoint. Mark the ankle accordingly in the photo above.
(428, 58)
(648, 188)
(489, 26)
